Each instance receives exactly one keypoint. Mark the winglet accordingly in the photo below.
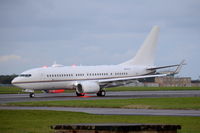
(179, 67)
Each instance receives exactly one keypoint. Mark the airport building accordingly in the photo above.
(195, 83)
(169, 81)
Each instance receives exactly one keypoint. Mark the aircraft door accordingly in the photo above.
(43, 77)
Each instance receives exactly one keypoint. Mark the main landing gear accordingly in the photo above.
(32, 95)
(101, 93)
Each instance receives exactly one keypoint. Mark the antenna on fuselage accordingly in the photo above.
(57, 65)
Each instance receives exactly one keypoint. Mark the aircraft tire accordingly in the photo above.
(31, 95)
(101, 93)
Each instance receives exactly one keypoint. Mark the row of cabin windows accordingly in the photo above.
(125, 73)
(98, 74)
(59, 75)
(88, 74)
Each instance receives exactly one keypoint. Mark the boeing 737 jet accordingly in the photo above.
(94, 79)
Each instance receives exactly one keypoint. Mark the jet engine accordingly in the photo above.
(87, 87)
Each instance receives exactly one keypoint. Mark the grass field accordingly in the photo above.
(27, 121)
(10, 90)
(16, 90)
(140, 103)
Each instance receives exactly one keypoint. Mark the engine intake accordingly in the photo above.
(87, 87)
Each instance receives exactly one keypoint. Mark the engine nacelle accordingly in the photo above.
(87, 87)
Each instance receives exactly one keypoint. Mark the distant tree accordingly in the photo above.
(6, 79)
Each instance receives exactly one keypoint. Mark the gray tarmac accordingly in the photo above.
(113, 111)
(5, 98)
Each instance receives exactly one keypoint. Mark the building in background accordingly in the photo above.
(195, 83)
(168, 81)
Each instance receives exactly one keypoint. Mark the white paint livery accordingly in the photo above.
(94, 79)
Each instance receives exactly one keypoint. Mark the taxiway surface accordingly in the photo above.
(113, 111)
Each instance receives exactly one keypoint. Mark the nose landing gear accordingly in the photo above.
(30, 91)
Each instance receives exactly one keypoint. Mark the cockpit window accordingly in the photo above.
(25, 75)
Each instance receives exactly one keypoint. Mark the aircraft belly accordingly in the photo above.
(47, 85)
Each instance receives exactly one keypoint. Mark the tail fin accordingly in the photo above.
(146, 53)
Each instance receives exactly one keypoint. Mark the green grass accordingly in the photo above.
(10, 90)
(16, 90)
(33, 121)
(146, 103)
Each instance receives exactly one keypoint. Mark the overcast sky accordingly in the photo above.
(34, 33)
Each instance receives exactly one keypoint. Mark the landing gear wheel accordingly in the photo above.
(31, 95)
(80, 94)
(101, 93)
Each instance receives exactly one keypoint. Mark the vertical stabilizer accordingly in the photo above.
(146, 53)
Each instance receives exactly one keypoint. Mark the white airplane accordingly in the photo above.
(94, 79)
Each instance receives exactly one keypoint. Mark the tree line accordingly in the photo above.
(6, 79)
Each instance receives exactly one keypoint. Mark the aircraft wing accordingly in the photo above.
(124, 80)
(178, 66)
(156, 68)
(107, 83)
(130, 78)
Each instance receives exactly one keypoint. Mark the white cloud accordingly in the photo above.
(6, 58)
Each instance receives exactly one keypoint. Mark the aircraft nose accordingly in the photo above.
(14, 81)
(17, 82)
